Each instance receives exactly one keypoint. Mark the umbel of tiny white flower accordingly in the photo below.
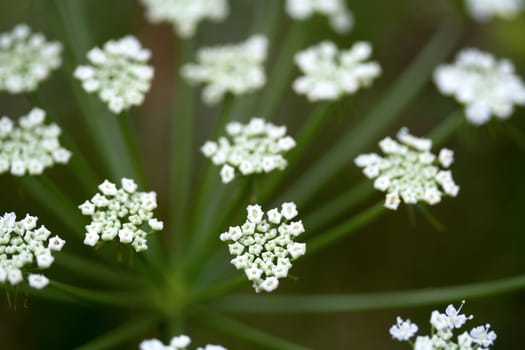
(31, 146)
(185, 15)
(442, 333)
(180, 342)
(254, 148)
(264, 246)
(408, 171)
(340, 17)
(26, 59)
(118, 73)
(330, 73)
(23, 247)
(235, 68)
(486, 86)
(485, 10)
(121, 212)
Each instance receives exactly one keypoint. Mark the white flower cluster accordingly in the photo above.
(121, 212)
(185, 15)
(26, 59)
(30, 147)
(409, 171)
(264, 246)
(330, 73)
(341, 18)
(24, 246)
(443, 326)
(485, 85)
(180, 342)
(118, 73)
(255, 148)
(235, 68)
(485, 10)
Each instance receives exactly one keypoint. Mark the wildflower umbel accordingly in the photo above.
(330, 73)
(442, 334)
(486, 86)
(185, 15)
(118, 73)
(26, 59)
(254, 148)
(340, 17)
(408, 171)
(25, 247)
(264, 246)
(31, 146)
(180, 342)
(236, 68)
(485, 10)
(122, 213)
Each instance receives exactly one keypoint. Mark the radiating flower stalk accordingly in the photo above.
(254, 156)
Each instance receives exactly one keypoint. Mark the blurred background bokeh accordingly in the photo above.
(483, 238)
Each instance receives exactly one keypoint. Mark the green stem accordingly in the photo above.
(221, 288)
(447, 127)
(130, 140)
(117, 299)
(368, 301)
(372, 126)
(116, 337)
(181, 151)
(248, 334)
(346, 228)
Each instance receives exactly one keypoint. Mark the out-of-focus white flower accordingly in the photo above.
(483, 336)
(121, 212)
(403, 330)
(485, 10)
(180, 342)
(25, 247)
(486, 86)
(254, 148)
(264, 246)
(340, 17)
(31, 146)
(330, 73)
(408, 171)
(26, 59)
(236, 68)
(118, 73)
(185, 15)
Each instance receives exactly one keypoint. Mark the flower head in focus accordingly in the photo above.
(122, 213)
(236, 68)
(180, 342)
(185, 15)
(31, 146)
(25, 247)
(264, 246)
(486, 86)
(118, 73)
(408, 171)
(442, 334)
(26, 59)
(485, 10)
(340, 17)
(254, 148)
(330, 73)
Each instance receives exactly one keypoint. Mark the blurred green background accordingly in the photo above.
(484, 236)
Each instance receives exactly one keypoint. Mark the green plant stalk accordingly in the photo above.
(181, 151)
(345, 229)
(130, 140)
(368, 301)
(112, 298)
(373, 125)
(54, 200)
(281, 75)
(120, 335)
(246, 333)
(447, 128)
